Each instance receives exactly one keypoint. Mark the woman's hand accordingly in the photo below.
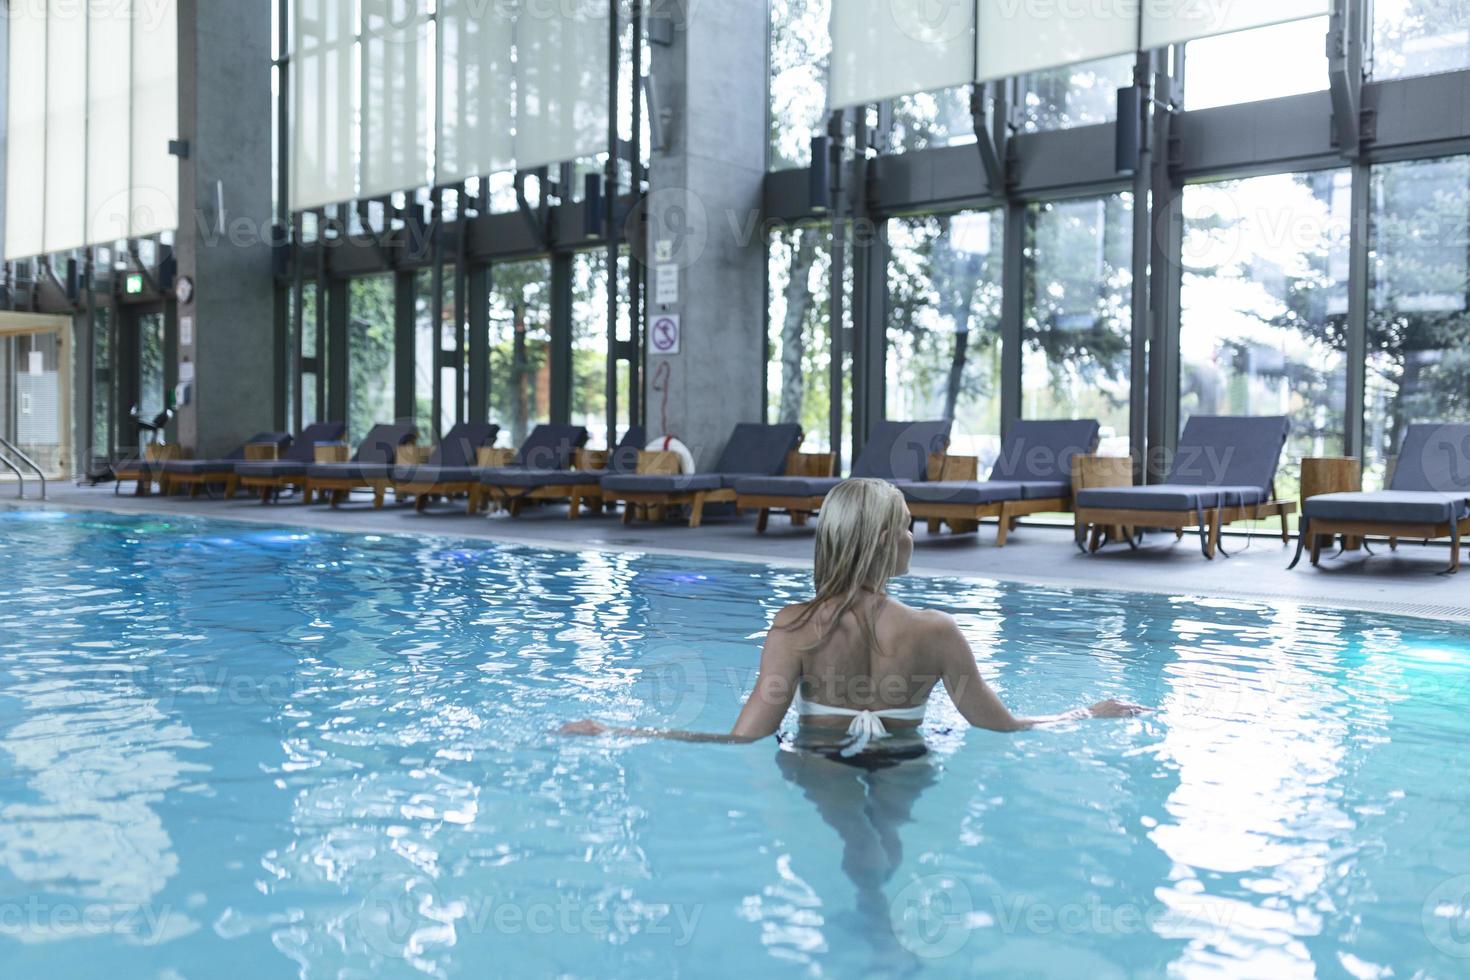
(588, 727)
(1116, 709)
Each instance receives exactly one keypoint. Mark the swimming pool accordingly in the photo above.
(240, 750)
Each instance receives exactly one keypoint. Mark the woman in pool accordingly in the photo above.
(858, 664)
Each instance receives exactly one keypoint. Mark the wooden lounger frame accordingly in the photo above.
(1393, 531)
(799, 509)
(514, 498)
(423, 491)
(655, 505)
(335, 489)
(269, 486)
(142, 471)
(1090, 521)
(255, 452)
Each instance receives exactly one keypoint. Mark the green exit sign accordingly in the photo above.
(135, 284)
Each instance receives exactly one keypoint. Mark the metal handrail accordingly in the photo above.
(40, 473)
(18, 475)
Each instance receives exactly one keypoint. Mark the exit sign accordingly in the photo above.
(135, 284)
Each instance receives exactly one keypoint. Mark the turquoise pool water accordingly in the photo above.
(233, 750)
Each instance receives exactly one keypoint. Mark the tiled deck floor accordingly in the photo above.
(1404, 583)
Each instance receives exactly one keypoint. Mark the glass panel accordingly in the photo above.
(150, 365)
(397, 86)
(1418, 324)
(103, 394)
(425, 342)
(154, 206)
(886, 48)
(562, 73)
(1078, 95)
(451, 411)
(1296, 52)
(369, 355)
(933, 119)
(1018, 38)
(477, 116)
(309, 407)
(590, 343)
(1418, 37)
(800, 51)
(798, 380)
(25, 154)
(1075, 362)
(520, 348)
(1172, 21)
(109, 113)
(944, 286)
(1263, 328)
(66, 128)
(37, 409)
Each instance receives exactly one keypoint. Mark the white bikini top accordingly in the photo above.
(866, 724)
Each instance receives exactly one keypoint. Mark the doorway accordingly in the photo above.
(35, 392)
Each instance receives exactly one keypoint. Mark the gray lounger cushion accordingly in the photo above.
(226, 464)
(1434, 458)
(366, 472)
(270, 468)
(550, 447)
(758, 450)
(1388, 506)
(966, 492)
(461, 445)
(303, 447)
(1043, 489)
(787, 486)
(1040, 451)
(382, 443)
(901, 450)
(1229, 451)
(1168, 497)
(633, 483)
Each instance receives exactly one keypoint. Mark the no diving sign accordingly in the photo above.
(663, 335)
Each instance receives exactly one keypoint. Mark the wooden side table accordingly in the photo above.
(1332, 474)
(1089, 472)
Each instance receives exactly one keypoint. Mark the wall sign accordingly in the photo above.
(664, 334)
(666, 284)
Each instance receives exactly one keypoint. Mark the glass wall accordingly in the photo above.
(1077, 95)
(1231, 68)
(150, 365)
(1264, 306)
(1078, 319)
(369, 355)
(799, 54)
(798, 376)
(944, 297)
(1419, 314)
(1417, 37)
(430, 339)
(310, 410)
(520, 348)
(932, 119)
(590, 346)
(104, 396)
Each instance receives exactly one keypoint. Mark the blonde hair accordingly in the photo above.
(857, 552)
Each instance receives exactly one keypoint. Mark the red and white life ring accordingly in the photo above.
(668, 444)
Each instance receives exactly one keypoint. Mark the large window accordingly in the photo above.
(1232, 68)
(369, 355)
(430, 338)
(1078, 314)
(590, 346)
(1263, 328)
(520, 348)
(932, 119)
(944, 286)
(1418, 324)
(1417, 37)
(800, 51)
(798, 374)
(1077, 95)
(104, 398)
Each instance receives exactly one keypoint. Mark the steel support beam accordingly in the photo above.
(1357, 327)
(1165, 274)
(405, 399)
(561, 337)
(478, 283)
(337, 351)
(1141, 309)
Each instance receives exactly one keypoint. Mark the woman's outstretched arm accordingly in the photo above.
(978, 702)
(775, 686)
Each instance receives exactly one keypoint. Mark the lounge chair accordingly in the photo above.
(1033, 475)
(753, 451)
(1428, 497)
(1224, 471)
(145, 470)
(581, 484)
(450, 469)
(199, 474)
(899, 452)
(370, 468)
(549, 448)
(270, 477)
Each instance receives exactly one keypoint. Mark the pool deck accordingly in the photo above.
(1405, 583)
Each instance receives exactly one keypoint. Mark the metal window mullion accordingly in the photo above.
(1012, 310)
(1359, 245)
(561, 337)
(1141, 308)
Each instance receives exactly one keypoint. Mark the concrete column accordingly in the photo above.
(225, 115)
(703, 220)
